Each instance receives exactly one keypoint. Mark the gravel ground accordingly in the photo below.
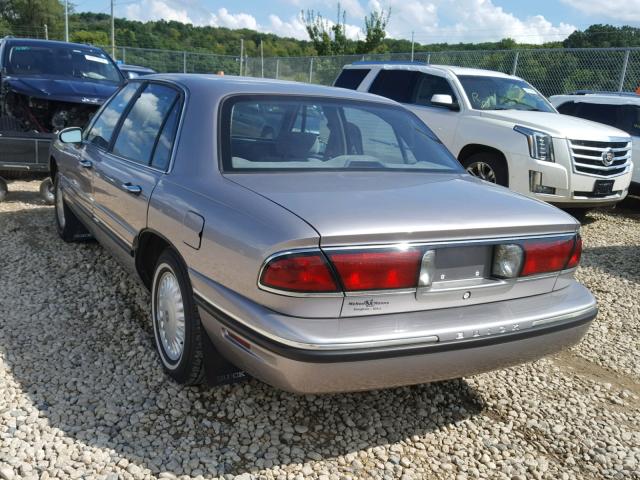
(83, 394)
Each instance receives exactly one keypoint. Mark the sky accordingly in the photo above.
(430, 21)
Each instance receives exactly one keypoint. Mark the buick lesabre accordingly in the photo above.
(319, 239)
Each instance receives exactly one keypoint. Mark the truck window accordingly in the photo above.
(630, 120)
(397, 85)
(430, 85)
(568, 108)
(351, 78)
(598, 112)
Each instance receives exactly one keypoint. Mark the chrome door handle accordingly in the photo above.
(132, 189)
(86, 163)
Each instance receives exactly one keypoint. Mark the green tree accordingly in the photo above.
(375, 32)
(28, 17)
(604, 36)
(94, 38)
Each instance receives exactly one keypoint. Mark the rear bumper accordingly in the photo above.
(495, 336)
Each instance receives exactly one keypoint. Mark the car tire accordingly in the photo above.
(3, 189)
(177, 329)
(69, 227)
(47, 191)
(580, 214)
(488, 166)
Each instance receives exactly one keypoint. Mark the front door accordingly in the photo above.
(127, 173)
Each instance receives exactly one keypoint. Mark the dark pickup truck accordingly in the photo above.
(46, 86)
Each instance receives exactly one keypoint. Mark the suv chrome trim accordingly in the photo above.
(581, 161)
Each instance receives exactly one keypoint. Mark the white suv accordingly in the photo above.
(503, 130)
(620, 110)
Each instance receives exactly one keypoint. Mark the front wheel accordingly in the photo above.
(487, 166)
(47, 191)
(176, 323)
(69, 227)
(3, 189)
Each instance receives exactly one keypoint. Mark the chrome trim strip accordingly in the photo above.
(406, 341)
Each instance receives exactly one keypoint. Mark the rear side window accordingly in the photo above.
(607, 114)
(567, 108)
(430, 85)
(397, 85)
(351, 78)
(141, 127)
(102, 129)
(630, 120)
(164, 147)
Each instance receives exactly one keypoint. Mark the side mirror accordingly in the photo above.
(443, 100)
(70, 135)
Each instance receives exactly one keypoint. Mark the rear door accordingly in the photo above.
(138, 156)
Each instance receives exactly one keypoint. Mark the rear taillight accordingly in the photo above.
(574, 259)
(546, 256)
(299, 272)
(377, 270)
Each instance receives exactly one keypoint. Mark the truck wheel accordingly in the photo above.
(3, 189)
(69, 227)
(487, 166)
(176, 323)
(46, 191)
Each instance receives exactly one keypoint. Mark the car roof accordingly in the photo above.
(420, 66)
(224, 85)
(38, 41)
(611, 98)
(127, 66)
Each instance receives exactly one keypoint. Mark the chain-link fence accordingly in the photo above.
(552, 71)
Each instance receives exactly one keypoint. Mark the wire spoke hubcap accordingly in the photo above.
(170, 316)
(482, 170)
(60, 206)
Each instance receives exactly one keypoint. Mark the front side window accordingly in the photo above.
(141, 127)
(430, 85)
(502, 93)
(61, 60)
(101, 131)
(598, 112)
(328, 134)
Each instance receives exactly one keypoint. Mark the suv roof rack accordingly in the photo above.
(388, 62)
(603, 92)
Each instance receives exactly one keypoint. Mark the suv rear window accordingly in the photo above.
(351, 78)
(397, 85)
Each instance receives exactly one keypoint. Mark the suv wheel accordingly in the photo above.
(487, 166)
(176, 323)
(70, 228)
(47, 192)
(3, 189)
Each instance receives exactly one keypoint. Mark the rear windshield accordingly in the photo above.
(269, 133)
(61, 60)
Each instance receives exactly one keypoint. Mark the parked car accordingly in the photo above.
(350, 255)
(504, 131)
(620, 110)
(134, 71)
(46, 86)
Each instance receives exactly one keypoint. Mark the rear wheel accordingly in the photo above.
(176, 323)
(487, 166)
(3, 189)
(70, 228)
(47, 192)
